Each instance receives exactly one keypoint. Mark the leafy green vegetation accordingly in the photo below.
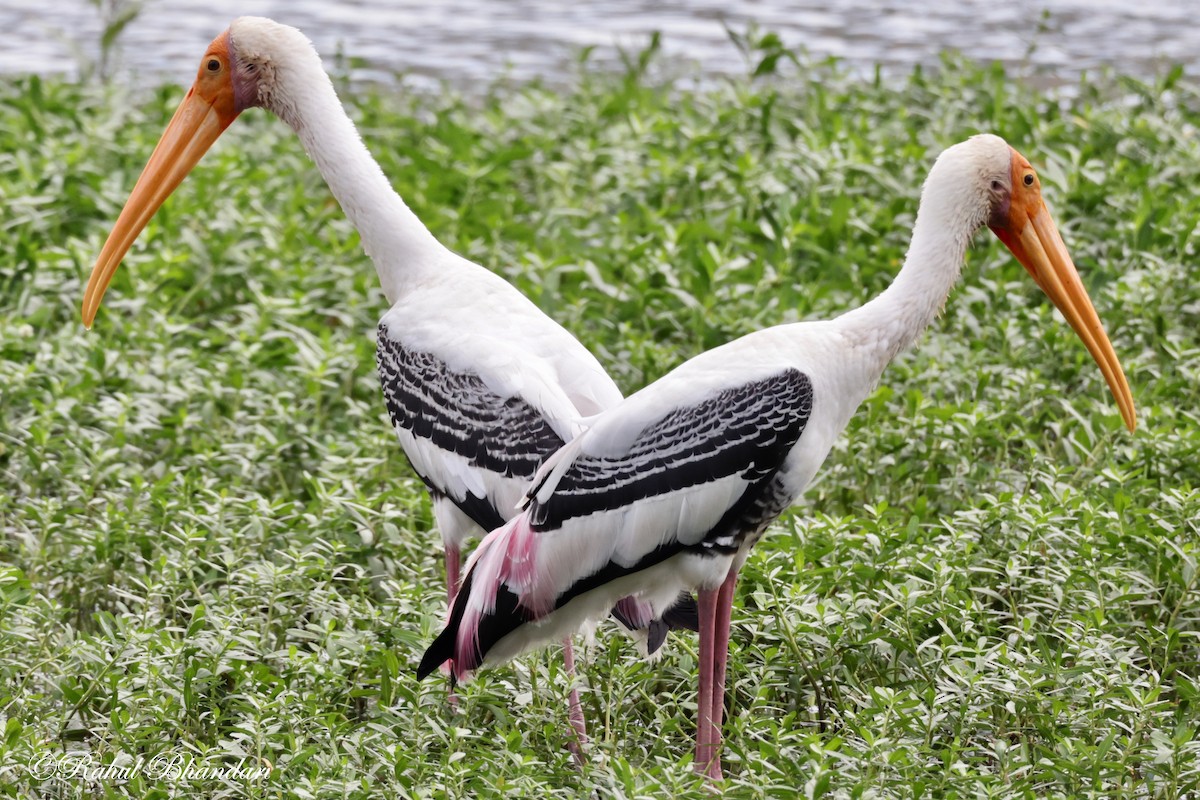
(213, 548)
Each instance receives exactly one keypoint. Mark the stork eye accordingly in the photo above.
(1029, 179)
(213, 65)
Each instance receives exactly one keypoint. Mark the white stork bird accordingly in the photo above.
(479, 383)
(668, 491)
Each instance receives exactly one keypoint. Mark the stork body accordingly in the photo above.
(668, 491)
(479, 383)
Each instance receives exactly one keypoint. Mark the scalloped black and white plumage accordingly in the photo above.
(473, 439)
(667, 491)
(476, 433)
(453, 420)
(701, 477)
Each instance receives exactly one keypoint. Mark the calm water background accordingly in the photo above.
(470, 43)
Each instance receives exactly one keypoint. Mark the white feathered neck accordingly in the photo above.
(293, 85)
(955, 203)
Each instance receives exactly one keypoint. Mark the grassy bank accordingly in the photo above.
(213, 547)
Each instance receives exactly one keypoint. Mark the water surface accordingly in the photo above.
(472, 42)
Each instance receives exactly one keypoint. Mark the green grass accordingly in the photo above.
(213, 547)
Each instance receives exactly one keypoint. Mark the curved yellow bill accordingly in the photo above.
(1030, 233)
(204, 114)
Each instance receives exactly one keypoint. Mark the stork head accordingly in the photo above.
(255, 62)
(990, 183)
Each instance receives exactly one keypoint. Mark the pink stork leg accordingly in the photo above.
(575, 708)
(453, 557)
(707, 607)
(453, 554)
(715, 607)
(720, 649)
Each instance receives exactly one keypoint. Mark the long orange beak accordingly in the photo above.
(206, 111)
(1030, 233)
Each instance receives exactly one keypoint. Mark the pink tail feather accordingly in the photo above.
(508, 556)
(637, 613)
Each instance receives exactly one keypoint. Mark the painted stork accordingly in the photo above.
(668, 491)
(479, 383)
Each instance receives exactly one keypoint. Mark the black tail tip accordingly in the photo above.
(656, 634)
(427, 667)
(439, 652)
(684, 615)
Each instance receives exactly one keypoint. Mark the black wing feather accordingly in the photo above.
(746, 430)
(458, 413)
